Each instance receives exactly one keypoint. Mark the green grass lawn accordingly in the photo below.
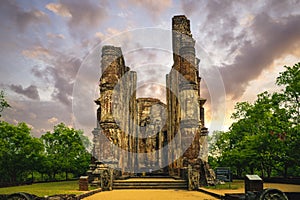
(235, 184)
(46, 189)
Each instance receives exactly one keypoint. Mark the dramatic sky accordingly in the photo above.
(50, 53)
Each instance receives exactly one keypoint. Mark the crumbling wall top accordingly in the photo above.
(181, 24)
(111, 50)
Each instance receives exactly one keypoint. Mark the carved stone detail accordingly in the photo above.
(193, 178)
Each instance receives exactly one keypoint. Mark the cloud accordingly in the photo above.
(55, 36)
(31, 17)
(243, 39)
(152, 90)
(273, 39)
(154, 8)
(52, 120)
(82, 16)
(63, 86)
(12, 13)
(37, 114)
(36, 52)
(100, 36)
(60, 72)
(30, 92)
(59, 9)
(189, 6)
(220, 25)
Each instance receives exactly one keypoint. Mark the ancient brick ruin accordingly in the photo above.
(138, 136)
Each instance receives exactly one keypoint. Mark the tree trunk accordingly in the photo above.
(262, 170)
(239, 172)
(285, 170)
(13, 177)
(53, 177)
(252, 170)
(269, 171)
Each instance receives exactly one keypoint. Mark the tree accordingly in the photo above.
(265, 136)
(289, 102)
(65, 151)
(18, 152)
(290, 79)
(3, 102)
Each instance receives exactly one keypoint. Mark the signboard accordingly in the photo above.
(253, 183)
(253, 178)
(223, 174)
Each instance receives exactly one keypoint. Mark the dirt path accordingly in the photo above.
(178, 194)
(150, 195)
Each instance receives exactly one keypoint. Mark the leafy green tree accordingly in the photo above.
(265, 136)
(18, 152)
(257, 144)
(289, 100)
(290, 79)
(3, 102)
(65, 151)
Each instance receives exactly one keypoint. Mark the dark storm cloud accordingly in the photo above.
(63, 85)
(11, 13)
(30, 92)
(63, 73)
(220, 24)
(60, 71)
(273, 39)
(249, 37)
(39, 73)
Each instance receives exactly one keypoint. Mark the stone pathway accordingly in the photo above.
(150, 195)
(150, 179)
(281, 187)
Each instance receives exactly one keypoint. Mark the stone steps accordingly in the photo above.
(150, 183)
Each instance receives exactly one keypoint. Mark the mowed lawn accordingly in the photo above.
(46, 189)
(235, 184)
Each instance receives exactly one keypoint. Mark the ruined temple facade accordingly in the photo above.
(138, 135)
